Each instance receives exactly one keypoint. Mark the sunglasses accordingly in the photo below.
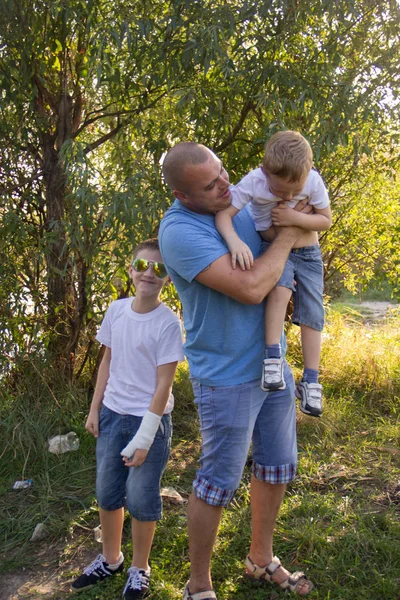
(140, 265)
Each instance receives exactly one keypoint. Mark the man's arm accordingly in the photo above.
(251, 287)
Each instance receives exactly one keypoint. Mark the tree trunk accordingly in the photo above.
(56, 254)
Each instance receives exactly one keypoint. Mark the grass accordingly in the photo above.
(340, 520)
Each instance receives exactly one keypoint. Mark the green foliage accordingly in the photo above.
(94, 93)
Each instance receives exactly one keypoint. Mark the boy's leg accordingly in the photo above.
(142, 540)
(311, 345)
(275, 310)
(112, 522)
(144, 503)
(138, 583)
(110, 490)
(308, 313)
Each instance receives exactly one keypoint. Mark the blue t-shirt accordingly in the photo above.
(224, 338)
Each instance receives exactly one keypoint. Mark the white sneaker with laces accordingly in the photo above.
(310, 395)
(272, 378)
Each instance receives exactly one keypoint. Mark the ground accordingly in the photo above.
(48, 580)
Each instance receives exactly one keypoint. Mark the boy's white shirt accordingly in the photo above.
(139, 342)
(254, 188)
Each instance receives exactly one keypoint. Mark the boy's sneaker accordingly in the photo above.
(310, 395)
(97, 571)
(138, 584)
(272, 378)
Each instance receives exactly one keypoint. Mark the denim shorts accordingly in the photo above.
(138, 487)
(304, 266)
(231, 418)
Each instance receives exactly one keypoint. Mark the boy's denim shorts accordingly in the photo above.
(230, 419)
(304, 266)
(116, 484)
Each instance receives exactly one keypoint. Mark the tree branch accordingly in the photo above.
(120, 126)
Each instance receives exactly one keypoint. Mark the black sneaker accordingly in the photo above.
(97, 571)
(138, 584)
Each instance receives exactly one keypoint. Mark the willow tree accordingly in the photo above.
(73, 76)
(94, 93)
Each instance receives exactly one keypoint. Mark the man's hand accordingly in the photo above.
(303, 207)
(92, 423)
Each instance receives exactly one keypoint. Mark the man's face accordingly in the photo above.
(205, 187)
(284, 189)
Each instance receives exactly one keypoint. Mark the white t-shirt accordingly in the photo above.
(254, 188)
(139, 344)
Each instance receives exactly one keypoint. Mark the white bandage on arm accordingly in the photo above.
(144, 436)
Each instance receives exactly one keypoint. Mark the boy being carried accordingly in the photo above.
(130, 416)
(273, 190)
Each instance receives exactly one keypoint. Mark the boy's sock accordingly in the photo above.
(272, 351)
(118, 563)
(310, 376)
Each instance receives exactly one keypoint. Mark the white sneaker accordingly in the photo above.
(272, 378)
(310, 395)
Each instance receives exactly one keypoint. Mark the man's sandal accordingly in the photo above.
(210, 595)
(291, 583)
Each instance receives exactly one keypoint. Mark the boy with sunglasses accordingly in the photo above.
(130, 417)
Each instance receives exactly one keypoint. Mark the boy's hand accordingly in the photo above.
(284, 216)
(240, 252)
(92, 423)
(141, 442)
(137, 459)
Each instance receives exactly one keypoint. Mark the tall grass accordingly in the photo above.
(340, 519)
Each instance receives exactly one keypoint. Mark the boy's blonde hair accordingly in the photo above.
(288, 155)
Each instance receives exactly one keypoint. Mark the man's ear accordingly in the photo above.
(180, 195)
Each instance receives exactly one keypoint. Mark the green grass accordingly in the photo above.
(340, 521)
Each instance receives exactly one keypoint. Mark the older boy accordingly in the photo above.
(132, 403)
(273, 190)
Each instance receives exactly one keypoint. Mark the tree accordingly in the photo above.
(94, 93)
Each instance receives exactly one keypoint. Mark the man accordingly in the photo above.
(223, 312)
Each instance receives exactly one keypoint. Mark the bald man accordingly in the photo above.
(223, 311)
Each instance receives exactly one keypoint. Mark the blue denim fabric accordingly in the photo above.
(138, 486)
(304, 266)
(230, 418)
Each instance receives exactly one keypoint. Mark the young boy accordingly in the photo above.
(273, 190)
(130, 417)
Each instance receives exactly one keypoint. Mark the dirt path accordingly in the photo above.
(375, 312)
